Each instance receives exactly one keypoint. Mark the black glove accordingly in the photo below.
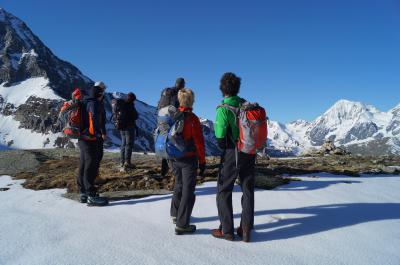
(137, 132)
(202, 168)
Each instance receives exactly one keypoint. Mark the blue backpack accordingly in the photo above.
(168, 138)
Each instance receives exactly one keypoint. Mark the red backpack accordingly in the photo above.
(70, 115)
(252, 123)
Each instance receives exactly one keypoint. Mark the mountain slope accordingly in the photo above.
(23, 56)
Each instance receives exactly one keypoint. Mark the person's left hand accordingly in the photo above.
(202, 168)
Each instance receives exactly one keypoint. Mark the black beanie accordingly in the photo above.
(180, 82)
(131, 96)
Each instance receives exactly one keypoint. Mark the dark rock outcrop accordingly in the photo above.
(360, 132)
(38, 114)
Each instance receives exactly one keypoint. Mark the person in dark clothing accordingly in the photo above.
(127, 131)
(91, 145)
(185, 169)
(233, 165)
(169, 97)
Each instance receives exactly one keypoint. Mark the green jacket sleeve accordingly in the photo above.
(221, 123)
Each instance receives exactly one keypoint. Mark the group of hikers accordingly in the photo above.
(240, 128)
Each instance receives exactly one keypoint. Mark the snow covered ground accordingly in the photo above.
(19, 93)
(321, 220)
(23, 138)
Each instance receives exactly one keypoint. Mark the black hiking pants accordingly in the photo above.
(226, 180)
(127, 141)
(91, 154)
(185, 172)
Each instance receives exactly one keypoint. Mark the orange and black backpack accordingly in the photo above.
(70, 117)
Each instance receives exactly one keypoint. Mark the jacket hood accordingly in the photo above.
(233, 101)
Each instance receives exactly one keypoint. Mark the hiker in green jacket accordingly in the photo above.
(233, 164)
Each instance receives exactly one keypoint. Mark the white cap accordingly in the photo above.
(100, 84)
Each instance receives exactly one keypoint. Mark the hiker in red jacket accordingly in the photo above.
(185, 169)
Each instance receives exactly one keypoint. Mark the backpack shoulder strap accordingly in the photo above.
(234, 110)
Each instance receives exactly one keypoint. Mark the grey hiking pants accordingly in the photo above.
(127, 141)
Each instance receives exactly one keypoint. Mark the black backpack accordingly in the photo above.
(118, 113)
(169, 97)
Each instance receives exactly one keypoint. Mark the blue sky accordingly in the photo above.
(295, 57)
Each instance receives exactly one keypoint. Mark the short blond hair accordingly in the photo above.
(186, 97)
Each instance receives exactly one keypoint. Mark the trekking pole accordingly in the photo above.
(236, 156)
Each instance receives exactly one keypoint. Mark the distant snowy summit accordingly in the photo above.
(358, 127)
(34, 82)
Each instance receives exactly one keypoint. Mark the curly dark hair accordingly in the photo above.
(230, 84)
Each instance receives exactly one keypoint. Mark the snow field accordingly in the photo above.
(324, 220)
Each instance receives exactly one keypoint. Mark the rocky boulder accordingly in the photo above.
(328, 148)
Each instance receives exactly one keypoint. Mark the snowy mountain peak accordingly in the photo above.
(396, 110)
(3, 15)
(345, 110)
(23, 56)
(299, 122)
(20, 28)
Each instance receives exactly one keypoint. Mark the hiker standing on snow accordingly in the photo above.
(169, 97)
(234, 163)
(125, 116)
(91, 145)
(185, 168)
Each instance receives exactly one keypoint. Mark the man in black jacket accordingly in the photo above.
(169, 97)
(127, 131)
(91, 145)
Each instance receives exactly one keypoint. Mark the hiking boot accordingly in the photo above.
(173, 220)
(83, 198)
(97, 201)
(243, 233)
(190, 229)
(219, 234)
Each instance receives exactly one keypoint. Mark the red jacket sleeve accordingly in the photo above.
(198, 138)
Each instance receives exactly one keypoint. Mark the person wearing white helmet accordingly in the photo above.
(90, 143)
(101, 85)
